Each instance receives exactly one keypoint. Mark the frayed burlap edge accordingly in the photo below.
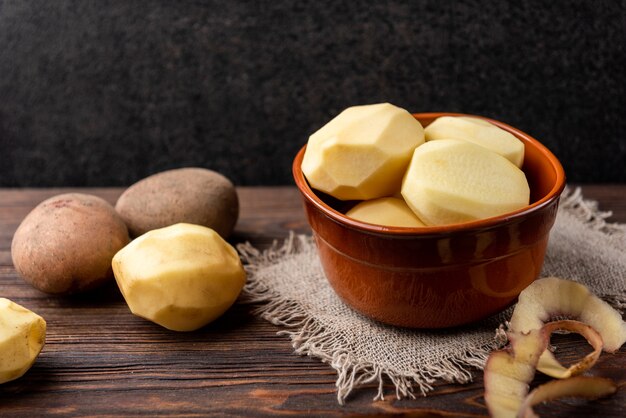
(309, 337)
(587, 211)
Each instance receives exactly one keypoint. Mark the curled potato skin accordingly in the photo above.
(549, 365)
(508, 372)
(579, 386)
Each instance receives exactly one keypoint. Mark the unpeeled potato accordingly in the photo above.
(66, 244)
(185, 195)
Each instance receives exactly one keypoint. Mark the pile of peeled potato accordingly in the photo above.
(178, 271)
(456, 170)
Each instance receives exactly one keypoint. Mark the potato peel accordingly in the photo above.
(549, 365)
(553, 296)
(578, 386)
(508, 372)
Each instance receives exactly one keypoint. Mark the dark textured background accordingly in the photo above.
(99, 93)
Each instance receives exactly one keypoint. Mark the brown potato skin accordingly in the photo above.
(65, 245)
(188, 195)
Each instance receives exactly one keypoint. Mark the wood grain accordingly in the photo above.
(100, 360)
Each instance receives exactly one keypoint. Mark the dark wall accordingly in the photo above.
(99, 93)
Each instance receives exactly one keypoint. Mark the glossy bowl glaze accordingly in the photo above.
(439, 276)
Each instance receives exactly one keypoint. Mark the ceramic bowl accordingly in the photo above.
(439, 276)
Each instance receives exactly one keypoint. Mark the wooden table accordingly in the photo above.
(101, 360)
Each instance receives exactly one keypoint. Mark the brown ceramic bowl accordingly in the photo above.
(439, 276)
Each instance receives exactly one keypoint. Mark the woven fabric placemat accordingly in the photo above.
(288, 283)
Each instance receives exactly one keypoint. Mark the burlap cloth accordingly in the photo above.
(288, 282)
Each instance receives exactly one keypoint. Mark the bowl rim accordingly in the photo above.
(506, 218)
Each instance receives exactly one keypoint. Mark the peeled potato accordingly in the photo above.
(363, 152)
(451, 181)
(181, 277)
(479, 132)
(386, 211)
(22, 336)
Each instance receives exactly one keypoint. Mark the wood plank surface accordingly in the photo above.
(100, 360)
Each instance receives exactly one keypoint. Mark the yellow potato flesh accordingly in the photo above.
(451, 181)
(479, 132)
(386, 211)
(181, 277)
(362, 153)
(22, 336)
